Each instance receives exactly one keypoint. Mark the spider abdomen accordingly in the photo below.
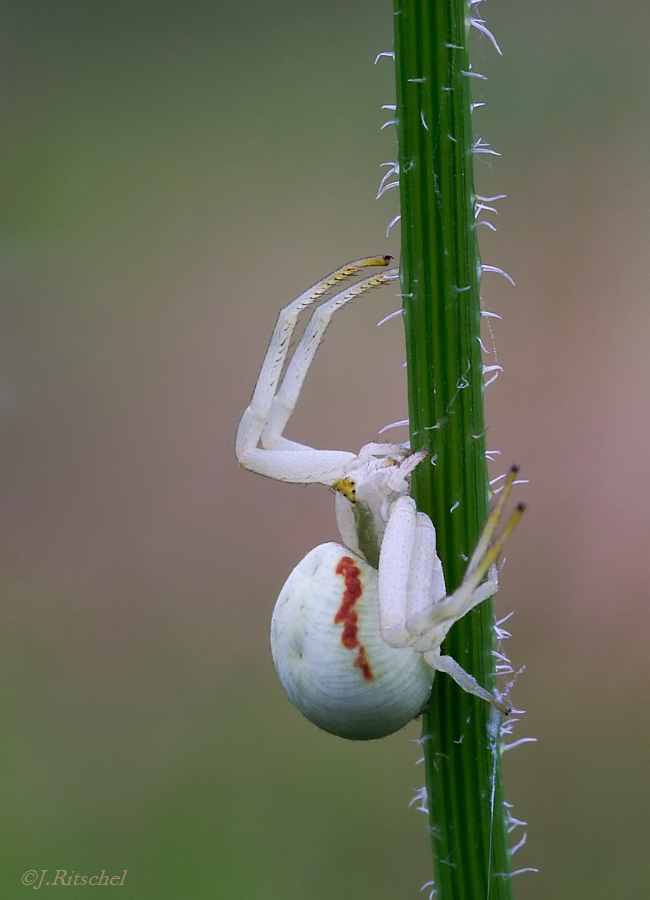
(329, 653)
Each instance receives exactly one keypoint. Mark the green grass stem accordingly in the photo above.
(440, 272)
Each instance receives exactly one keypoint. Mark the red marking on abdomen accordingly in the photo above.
(348, 615)
(361, 662)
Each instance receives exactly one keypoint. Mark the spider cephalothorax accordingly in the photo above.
(357, 628)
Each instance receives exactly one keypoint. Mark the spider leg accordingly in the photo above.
(255, 417)
(429, 627)
(374, 450)
(286, 397)
(492, 522)
(394, 567)
(463, 679)
(410, 571)
(414, 610)
(269, 412)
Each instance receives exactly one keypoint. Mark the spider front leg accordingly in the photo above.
(272, 404)
(413, 606)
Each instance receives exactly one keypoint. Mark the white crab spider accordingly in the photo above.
(357, 628)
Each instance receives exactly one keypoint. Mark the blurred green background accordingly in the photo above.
(170, 175)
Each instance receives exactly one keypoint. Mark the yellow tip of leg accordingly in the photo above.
(491, 555)
(373, 261)
(352, 268)
(492, 521)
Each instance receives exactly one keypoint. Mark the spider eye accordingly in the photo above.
(347, 487)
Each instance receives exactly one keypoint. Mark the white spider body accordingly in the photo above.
(329, 653)
(326, 640)
(357, 628)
